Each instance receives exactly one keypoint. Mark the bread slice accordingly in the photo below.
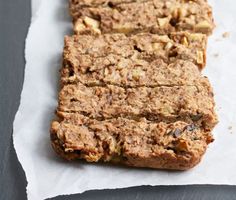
(155, 16)
(192, 104)
(89, 52)
(128, 72)
(177, 146)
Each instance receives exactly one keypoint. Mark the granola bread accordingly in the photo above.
(155, 16)
(177, 146)
(98, 51)
(131, 86)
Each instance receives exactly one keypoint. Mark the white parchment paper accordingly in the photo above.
(49, 176)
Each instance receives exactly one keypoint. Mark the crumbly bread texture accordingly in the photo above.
(155, 16)
(192, 104)
(177, 146)
(129, 72)
(89, 52)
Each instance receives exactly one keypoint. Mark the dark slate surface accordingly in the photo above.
(14, 22)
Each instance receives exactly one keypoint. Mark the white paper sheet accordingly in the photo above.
(35, 5)
(49, 176)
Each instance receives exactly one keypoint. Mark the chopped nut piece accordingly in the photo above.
(92, 157)
(164, 38)
(182, 12)
(122, 64)
(168, 46)
(163, 21)
(190, 23)
(167, 110)
(106, 71)
(195, 37)
(137, 73)
(200, 57)
(123, 29)
(157, 46)
(181, 145)
(79, 27)
(185, 41)
(203, 26)
(91, 22)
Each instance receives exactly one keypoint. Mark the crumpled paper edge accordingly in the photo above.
(35, 7)
(34, 18)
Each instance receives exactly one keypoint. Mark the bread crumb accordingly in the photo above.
(230, 128)
(216, 55)
(225, 35)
